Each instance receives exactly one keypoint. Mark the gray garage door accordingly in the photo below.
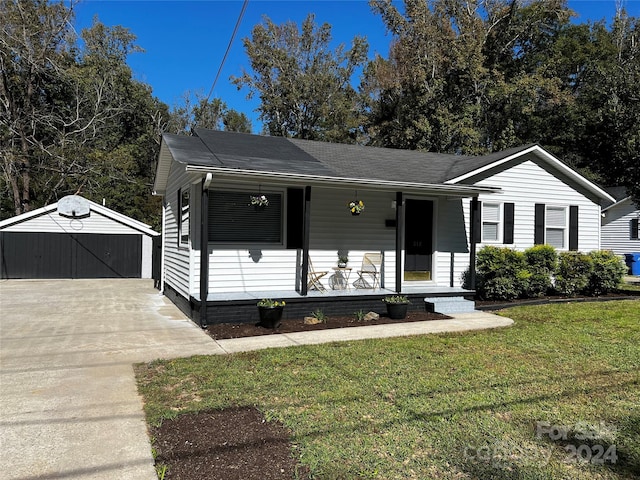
(59, 255)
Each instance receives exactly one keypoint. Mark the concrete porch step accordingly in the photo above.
(449, 305)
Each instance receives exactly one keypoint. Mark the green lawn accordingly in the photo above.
(475, 405)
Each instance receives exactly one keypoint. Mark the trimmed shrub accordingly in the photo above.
(505, 274)
(542, 261)
(606, 274)
(501, 273)
(574, 272)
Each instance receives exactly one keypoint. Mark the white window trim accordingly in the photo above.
(499, 223)
(565, 228)
(182, 241)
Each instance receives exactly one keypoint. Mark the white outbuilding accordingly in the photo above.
(76, 238)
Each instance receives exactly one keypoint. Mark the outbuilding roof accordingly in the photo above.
(106, 212)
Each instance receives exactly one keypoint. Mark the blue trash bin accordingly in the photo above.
(633, 262)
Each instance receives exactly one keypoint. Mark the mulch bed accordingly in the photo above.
(500, 304)
(230, 444)
(221, 331)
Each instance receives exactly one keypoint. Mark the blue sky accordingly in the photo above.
(185, 41)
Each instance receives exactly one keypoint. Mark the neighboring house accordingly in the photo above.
(620, 224)
(75, 238)
(421, 210)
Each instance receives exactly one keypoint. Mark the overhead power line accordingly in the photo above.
(224, 59)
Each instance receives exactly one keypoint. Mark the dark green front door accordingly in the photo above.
(418, 240)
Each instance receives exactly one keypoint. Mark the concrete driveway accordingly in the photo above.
(69, 404)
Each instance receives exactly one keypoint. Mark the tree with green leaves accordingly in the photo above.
(73, 120)
(461, 75)
(203, 113)
(608, 92)
(484, 75)
(304, 86)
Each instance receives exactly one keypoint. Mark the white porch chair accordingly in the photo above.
(313, 282)
(369, 273)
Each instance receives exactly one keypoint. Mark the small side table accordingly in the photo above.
(340, 279)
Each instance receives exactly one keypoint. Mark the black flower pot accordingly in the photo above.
(397, 311)
(270, 317)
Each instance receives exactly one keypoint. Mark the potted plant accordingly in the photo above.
(397, 306)
(259, 202)
(356, 207)
(342, 261)
(270, 312)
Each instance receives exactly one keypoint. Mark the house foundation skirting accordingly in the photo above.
(246, 311)
(187, 307)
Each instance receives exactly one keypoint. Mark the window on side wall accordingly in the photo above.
(233, 220)
(556, 227)
(491, 220)
(183, 216)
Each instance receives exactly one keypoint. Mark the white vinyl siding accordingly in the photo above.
(523, 184)
(491, 223)
(333, 228)
(616, 228)
(526, 184)
(177, 260)
(52, 222)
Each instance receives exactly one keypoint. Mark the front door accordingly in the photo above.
(418, 240)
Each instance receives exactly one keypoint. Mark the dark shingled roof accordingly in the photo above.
(260, 153)
(190, 150)
(356, 161)
(241, 151)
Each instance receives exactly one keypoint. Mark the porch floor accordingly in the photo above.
(328, 293)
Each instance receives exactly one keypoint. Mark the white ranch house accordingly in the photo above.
(424, 213)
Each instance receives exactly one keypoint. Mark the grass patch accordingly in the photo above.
(473, 405)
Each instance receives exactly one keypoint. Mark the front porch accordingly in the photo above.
(240, 307)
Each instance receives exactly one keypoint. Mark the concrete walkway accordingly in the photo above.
(69, 404)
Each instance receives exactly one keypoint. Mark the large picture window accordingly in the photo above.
(233, 220)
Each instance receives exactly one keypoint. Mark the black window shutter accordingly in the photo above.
(509, 210)
(538, 236)
(477, 222)
(634, 229)
(295, 217)
(573, 227)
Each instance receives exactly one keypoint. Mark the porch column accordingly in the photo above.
(474, 234)
(204, 249)
(305, 241)
(399, 240)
